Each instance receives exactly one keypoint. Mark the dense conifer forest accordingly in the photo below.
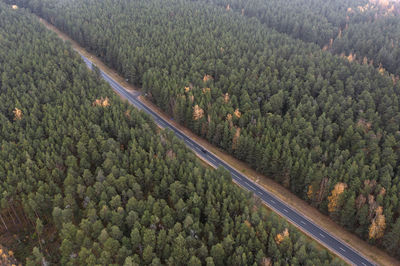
(86, 179)
(364, 30)
(323, 126)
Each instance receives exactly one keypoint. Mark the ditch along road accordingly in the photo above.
(275, 203)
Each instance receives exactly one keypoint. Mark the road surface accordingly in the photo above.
(340, 248)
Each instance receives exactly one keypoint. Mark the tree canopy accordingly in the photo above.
(365, 30)
(92, 181)
(325, 127)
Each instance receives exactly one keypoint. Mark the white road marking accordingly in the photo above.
(322, 235)
(302, 222)
(363, 264)
(285, 210)
(249, 185)
(259, 192)
(211, 160)
(238, 177)
(342, 249)
(252, 187)
(273, 201)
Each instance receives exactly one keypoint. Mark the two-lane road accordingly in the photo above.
(273, 202)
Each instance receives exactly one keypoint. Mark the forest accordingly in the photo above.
(364, 30)
(324, 126)
(86, 179)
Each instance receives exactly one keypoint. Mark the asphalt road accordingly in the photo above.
(273, 202)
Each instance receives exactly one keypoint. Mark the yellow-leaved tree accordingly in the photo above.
(281, 236)
(17, 114)
(334, 197)
(197, 112)
(378, 225)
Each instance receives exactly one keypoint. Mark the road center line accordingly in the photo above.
(342, 249)
(211, 160)
(252, 187)
(238, 177)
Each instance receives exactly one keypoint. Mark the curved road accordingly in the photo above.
(334, 244)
